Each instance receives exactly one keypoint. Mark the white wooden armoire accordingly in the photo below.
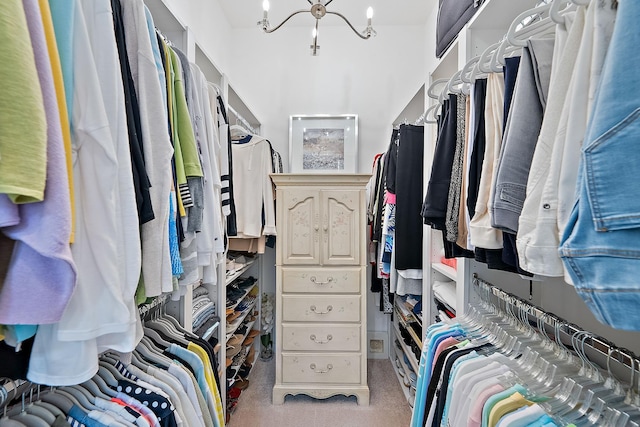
(321, 331)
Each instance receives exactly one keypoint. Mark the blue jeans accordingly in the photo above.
(600, 247)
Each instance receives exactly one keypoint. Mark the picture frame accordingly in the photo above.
(323, 143)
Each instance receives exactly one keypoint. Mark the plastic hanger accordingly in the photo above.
(168, 329)
(107, 376)
(518, 34)
(105, 390)
(556, 11)
(145, 349)
(430, 92)
(58, 400)
(484, 63)
(93, 388)
(154, 336)
(29, 419)
(34, 409)
(467, 70)
(82, 396)
(431, 110)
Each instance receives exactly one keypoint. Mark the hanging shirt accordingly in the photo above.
(495, 399)
(41, 275)
(143, 55)
(58, 81)
(160, 406)
(523, 417)
(505, 406)
(253, 188)
(23, 125)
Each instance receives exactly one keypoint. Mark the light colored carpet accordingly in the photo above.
(387, 408)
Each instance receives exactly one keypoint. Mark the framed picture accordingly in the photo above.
(323, 143)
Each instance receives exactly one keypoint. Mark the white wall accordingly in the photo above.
(209, 26)
(374, 78)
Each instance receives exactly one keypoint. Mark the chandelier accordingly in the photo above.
(318, 10)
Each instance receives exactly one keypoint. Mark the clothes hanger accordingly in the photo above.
(62, 402)
(168, 328)
(20, 415)
(145, 349)
(166, 317)
(93, 388)
(430, 92)
(33, 409)
(556, 11)
(518, 34)
(102, 386)
(72, 398)
(454, 84)
(154, 336)
(82, 395)
(430, 110)
(107, 376)
(467, 70)
(483, 64)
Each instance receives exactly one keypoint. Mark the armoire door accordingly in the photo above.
(341, 224)
(301, 227)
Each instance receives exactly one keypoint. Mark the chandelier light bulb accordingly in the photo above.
(369, 12)
(265, 5)
(314, 33)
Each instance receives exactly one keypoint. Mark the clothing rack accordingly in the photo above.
(243, 120)
(599, 350)
(157, 302)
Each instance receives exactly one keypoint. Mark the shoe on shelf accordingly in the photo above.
(253, 333)
(233, 350)
(233, 316)
(235, 340)
(241, 384)
(234, 392)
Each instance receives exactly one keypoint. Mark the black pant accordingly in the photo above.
(409, 173)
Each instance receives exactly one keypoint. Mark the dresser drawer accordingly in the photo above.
(321, 308)
(321, 368)
(329, 337)
(321, 280)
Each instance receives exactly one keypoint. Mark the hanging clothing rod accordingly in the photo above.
(597, 344)
(158, 301)
(243, 120)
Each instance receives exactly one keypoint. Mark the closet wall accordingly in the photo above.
(552, 295)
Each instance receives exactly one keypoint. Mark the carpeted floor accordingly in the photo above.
(388, 406)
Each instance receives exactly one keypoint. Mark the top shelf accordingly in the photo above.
(164, 18)
(496, 14)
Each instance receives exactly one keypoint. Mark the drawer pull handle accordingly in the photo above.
(314, 280)
(321, 371)
(315, 340)
(314, 309)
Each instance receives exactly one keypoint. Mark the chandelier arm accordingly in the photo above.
(350, 25)
(325, 5)
(310, 2)
(266, 30)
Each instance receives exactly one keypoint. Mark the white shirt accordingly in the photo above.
(156, 259)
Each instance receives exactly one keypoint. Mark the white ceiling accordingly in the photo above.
(246, 13)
